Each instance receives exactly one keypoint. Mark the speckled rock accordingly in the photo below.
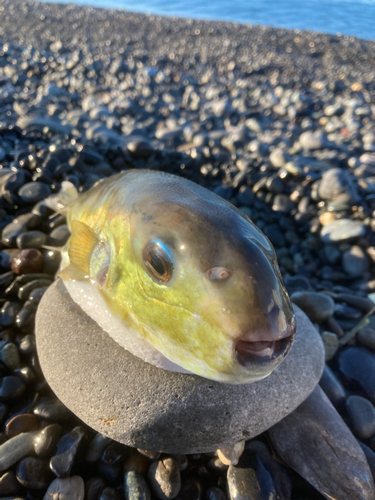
(190, 414)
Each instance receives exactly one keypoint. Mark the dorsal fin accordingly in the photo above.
(81, 245)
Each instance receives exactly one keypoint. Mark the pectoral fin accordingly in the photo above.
(81, 246)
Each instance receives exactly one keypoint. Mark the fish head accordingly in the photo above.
(207, 288)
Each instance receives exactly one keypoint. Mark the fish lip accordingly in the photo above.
(270, 350)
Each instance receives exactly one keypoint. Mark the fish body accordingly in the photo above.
(189, 281)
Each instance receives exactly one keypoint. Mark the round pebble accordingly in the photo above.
(33, 192)
(28, 261)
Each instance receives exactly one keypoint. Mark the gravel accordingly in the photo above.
(281, 123)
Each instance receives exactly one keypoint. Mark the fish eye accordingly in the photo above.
(158, 260)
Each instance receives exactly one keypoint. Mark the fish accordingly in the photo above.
(178, 276)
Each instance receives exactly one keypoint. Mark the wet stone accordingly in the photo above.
(96, 447)
(9, 484)
(342, 230)
(191, 489)
(336, 184)
(366, 337)
(10, 357)
(52, 409)
(59, 236)
(354, 262)
(68, 451)
(46, 441)
(16, 448)
(282, 203)
(34, 473)
(362, 416)
(94, 488)
(52, 259)
(21, 423)
(331, 344)
(135, 487)
(69, 488)
(27, 345)
(8, 313)
(11, 232)
(140, 148)
(164, 477)
(333, 388)
(11, 388)
(37, 294)
(214, 493)
(32, 239)
(318, 306)
(26, 374)
(32, 192)
(6, 279)
(357, 365)
(27, 261)
(25, 290)
(315, 442)
(111, 494)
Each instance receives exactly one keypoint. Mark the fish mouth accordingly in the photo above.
(264, 352)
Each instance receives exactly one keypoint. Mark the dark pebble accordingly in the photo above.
(362, 416)
(52, 259)
(282, 203)
(357, 364)
(32, 239)
(21, 423)
(94, 488)
(8, 313)
(11, 388)
(366, 337)
(370, 456)
(318, 306)
(32, 192)
(59, 236)
(11, 232)
(96, 448)
(333, 388)
(28, 261)
(37, 294)
(191, 489)
(354, 262)
(110, 494)
(25, 290)
(214, 493)
(52, 409)
(9, 484)
(34, 473)
(46, 440)
(276, 237)
(135, 487)
(68, 451)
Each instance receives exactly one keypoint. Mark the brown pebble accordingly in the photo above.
(22, 423)
(28, 261)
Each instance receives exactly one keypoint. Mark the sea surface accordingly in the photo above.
(348, 17)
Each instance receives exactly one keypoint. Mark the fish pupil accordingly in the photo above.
(158, 260)
(157, 264)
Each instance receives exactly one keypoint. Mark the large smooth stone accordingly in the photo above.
(315, 441)
(137, 404)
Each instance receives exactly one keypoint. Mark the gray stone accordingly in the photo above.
(315, 441)
(70, 488)
(342, 230)
(16, 448)
(336, 184)
(164, 411)
(362, 416)
(354, 262)
(318, 306)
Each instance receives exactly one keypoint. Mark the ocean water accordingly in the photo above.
(348, 17)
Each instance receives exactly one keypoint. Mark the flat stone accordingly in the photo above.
(94, 377)
(318, 306)
(70, 488)
(342, 230)
(315, 441)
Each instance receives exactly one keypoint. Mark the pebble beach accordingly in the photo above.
(281, 123)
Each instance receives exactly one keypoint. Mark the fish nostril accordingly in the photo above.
(218, 273)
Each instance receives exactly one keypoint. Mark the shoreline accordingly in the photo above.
(294, 54)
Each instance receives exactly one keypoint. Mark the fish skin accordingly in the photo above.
(192, 320)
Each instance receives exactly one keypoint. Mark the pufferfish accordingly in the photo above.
(178, 276)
